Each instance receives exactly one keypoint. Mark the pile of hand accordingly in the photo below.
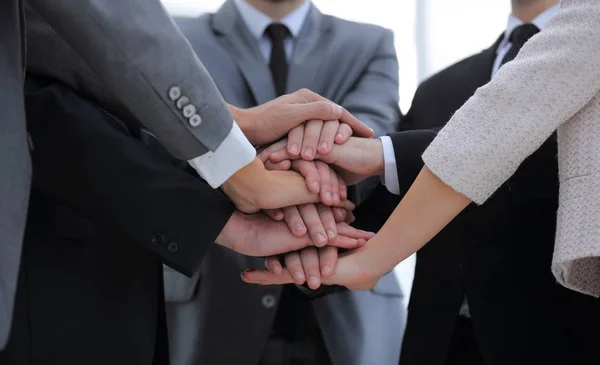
(300, 183)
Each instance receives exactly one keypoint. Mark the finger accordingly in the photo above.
(312, 133)
(325, 176)
(295, 137)
(328, 221)
(328, 257)
(294, 264)
(280, 155)
(294, 221)
(347, 205)
(343, 188)
(328, 133)
(264, 154)
(339, 215)
(264, 277)
(286, 188)
(343, 133)
(318, 107)
(273, 265)
(312, 221)
(275, 214)
(308, 169)
(335, 187)
(310, 262)
(349, 231)
(278, 166)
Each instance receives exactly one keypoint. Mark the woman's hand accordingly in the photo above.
(351, 271)
(309, 265)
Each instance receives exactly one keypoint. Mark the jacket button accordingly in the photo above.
(189, 111)
(174, 93)
(195, 120)
(268, 301)
(182, 101)
(173, 247)
(158, 239)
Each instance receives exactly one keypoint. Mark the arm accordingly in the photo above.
(86, 159)
(554, 76)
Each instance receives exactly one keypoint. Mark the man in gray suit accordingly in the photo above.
(216, 319)
(151, 71)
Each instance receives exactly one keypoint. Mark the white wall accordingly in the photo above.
(429, 35)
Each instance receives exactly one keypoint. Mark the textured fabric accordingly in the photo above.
(553, 83)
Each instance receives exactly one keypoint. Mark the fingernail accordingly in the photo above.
(335, 196)
(328, 196)
(340, 136)
(294, 149)
(315, 186)
(324, 146)
(313, 282)
(320, 238)
(298, 278)
(248, 271)
(326, 270)
(308, 152)
(299, 228)
(336, 109)
(277, 269)
(330, 234)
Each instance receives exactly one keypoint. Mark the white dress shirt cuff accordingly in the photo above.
(234, 153)
(390, 174)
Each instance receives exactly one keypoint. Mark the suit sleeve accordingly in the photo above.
(143, 59)
(408, 148)
(554, 76)
(85, 158)
(375, 97)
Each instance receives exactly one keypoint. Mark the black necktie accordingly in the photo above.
(519, 36)
(278, 62)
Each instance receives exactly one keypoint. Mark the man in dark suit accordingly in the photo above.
(90, 288)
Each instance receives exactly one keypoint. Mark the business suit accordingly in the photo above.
(240, 316)
(497, 255)
(90, 288)
(147, 68)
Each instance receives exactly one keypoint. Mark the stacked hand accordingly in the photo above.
(300, 183)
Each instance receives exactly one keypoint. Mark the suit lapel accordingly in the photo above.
(236, 39)
(309, 52)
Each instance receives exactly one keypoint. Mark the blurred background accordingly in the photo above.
(429, 35)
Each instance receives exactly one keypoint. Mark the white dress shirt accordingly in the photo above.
(235, 151)
(389, 158)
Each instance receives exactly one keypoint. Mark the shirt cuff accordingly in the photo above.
(390, 174)
(234, 153)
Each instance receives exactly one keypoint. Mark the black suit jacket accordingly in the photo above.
(106, 211)
(498, 255)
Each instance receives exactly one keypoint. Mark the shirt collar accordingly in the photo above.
(257, 22)
(539, 21)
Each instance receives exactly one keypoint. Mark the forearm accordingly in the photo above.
(428, 206)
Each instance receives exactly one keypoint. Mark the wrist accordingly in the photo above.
(378, 160)
(245, 121)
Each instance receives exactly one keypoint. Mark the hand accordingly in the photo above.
(269, 122)
(312, 263)
(254, 188)
(318, 220)
(258, 235)
(316, 136)
(356, 159)
(349, 272)
(320, 178)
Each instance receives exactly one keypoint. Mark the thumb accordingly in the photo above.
(320, 110)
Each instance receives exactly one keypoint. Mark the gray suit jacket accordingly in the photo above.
(215, 318)
(137, 58)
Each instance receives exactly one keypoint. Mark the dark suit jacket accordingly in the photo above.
(105, 212)
(497, 255)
